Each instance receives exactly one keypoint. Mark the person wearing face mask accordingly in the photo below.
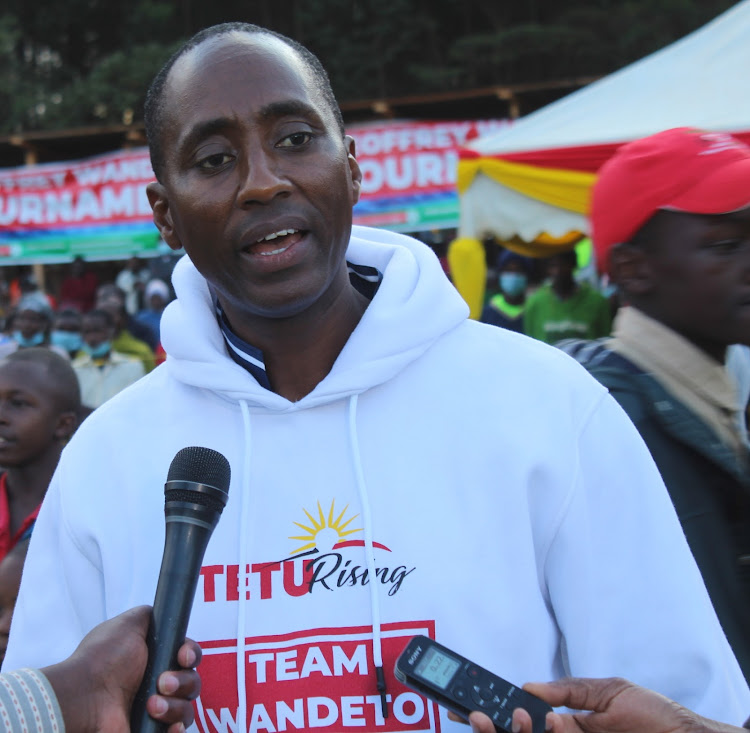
(102, 372)
(66, 331)
(31, 322)
(505, 309)
(29, 326)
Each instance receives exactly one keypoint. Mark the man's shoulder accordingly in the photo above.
(638, 393)
(499, 352)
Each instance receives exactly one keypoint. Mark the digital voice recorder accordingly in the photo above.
(462, 686)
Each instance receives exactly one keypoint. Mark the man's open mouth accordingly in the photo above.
(276, 242)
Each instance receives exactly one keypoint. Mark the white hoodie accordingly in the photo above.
(502, 499)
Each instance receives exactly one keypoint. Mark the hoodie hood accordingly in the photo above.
(414, 306)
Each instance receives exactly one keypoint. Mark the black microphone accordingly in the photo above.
(194, 496)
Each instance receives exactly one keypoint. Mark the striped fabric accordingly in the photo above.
(28, 704)
(363, 278)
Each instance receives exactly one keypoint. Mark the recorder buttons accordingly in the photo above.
(460, 693)
(485, 695)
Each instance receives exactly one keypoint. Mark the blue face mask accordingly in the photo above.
(99, 351)
(68, 340)
(36, 340)
(513, 283)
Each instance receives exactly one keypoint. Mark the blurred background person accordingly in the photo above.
(132, 280)
(29, 326)
(31, 322)
(156, 296)
(101, 371)
(505, 308)
(124, 342)
(66, 331)
(78, 289)
(563, 308)
(110, 291)
(670, 216)
(39, 412)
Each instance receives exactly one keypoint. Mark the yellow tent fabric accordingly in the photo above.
(468, 267)
(565, 189)
(544, 245)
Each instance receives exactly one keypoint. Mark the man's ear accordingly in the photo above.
(630, 268)
(157, 197)
(354, 168)
(67, 422)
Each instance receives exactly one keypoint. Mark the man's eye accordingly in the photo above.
(726, 245)
(214, 161)
(295, 140)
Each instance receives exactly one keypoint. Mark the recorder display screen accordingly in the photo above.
(437, 667)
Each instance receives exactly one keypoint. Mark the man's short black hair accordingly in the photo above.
(154, 108)
(62, 380)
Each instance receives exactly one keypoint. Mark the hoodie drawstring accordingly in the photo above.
(377, 648)
(243, 558)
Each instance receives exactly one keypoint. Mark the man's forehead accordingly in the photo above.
(235, 49)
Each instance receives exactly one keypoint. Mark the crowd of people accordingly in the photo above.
(337, 370)
(108, 332)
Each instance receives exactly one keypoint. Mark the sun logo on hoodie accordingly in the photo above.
(325, 532)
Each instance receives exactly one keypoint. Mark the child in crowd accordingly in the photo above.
(40, 404)
(10, 581)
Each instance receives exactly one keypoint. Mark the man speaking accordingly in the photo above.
(397, 469)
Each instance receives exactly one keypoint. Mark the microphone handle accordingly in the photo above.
(184, 546)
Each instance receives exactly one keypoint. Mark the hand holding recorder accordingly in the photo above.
(618, 706)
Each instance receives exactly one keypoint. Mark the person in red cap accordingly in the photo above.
(670, 219)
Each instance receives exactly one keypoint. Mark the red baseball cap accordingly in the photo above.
(683, 169)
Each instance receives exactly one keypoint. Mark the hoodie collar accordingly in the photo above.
(414, 306)
(366, 280)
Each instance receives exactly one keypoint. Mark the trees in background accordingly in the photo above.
(83, 62)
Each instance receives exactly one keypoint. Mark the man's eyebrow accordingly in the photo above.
(202, 130)
(289, 108)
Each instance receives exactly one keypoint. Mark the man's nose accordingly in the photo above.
(263, 178)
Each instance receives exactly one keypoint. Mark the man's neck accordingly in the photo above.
(565, 289)
(28, 484)
(716, 350)
(298, 352)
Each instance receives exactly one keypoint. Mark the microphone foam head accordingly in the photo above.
(201, 466)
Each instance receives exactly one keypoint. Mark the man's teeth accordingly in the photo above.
(281, 233)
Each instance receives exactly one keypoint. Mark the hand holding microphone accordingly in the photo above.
(194, 496)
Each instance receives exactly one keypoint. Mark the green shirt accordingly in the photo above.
(126, 343)
(585, 315)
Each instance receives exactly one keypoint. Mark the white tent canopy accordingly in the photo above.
(700, 81)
